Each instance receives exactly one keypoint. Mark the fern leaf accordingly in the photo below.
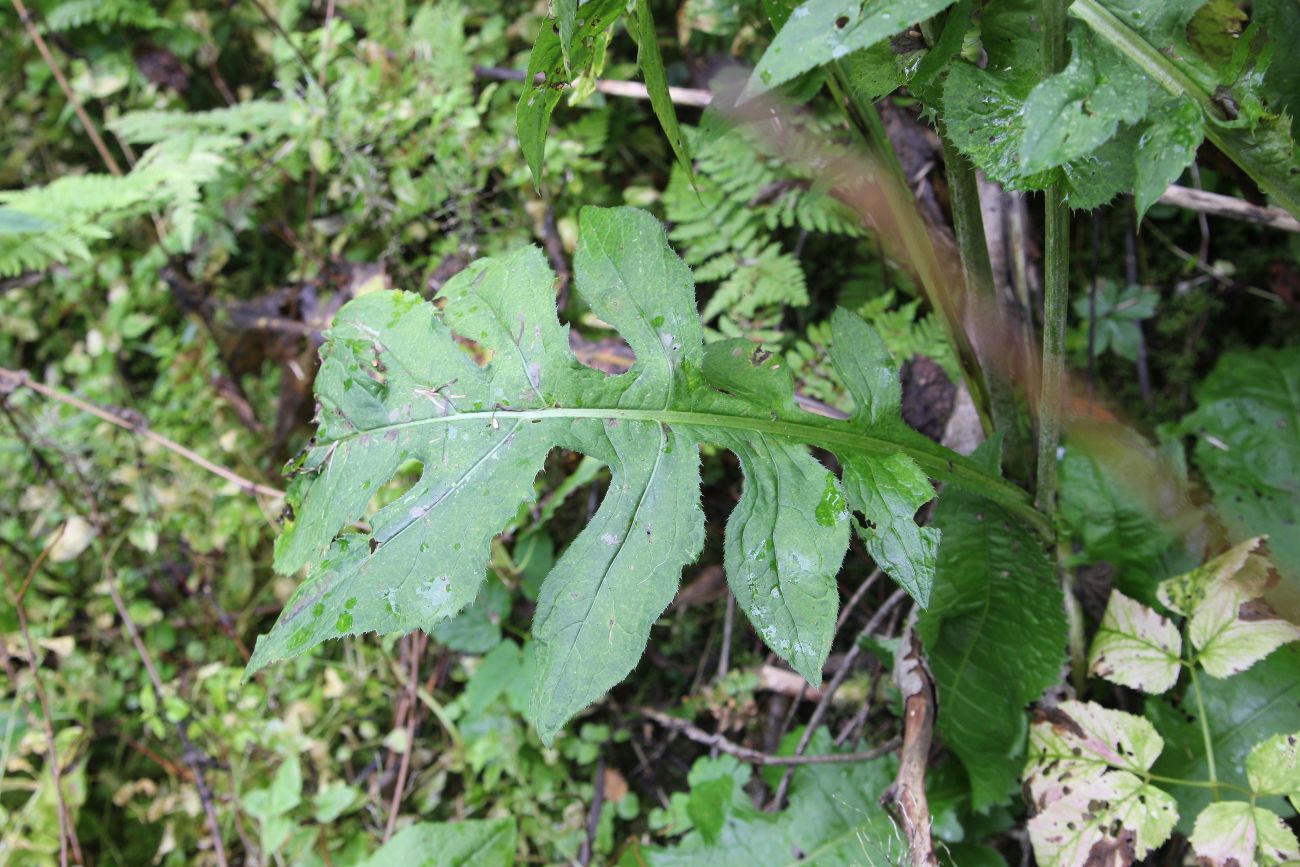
(395, 386)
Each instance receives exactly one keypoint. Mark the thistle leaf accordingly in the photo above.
(395, 389)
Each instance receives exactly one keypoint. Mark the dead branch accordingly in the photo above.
(722, 744)
(837, 680)
(1227, 206)
(907, 793)
(193, 757)
(67, 828)
(11, 380)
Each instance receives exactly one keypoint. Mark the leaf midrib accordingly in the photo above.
(947, 467)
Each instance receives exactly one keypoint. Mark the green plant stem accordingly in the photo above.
(917, 247)
(1195, 784)
(1010, 414)
(937, 461)
(1205, 730)
(1056, 289)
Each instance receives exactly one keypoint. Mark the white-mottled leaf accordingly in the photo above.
(1235, 834)
(1135, 646)
(1084, 780)
(1231, 626)
(1273, 766)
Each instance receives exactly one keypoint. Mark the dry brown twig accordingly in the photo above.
(67, 829)
(722, 744)
(837, 680)
(907, 793)
(91, 130)
(11, 380)
(192, 756)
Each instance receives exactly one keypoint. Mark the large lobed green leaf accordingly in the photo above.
(395, 387)
(995, 634)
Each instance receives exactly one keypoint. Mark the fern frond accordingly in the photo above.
(726, 225)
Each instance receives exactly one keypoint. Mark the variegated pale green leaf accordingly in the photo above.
(397, 390)
(1273, 766)
(1085, 780)
(1235, 833)
(1135, 646)
(1231, 626)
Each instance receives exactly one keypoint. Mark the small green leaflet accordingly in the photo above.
(821, 31)
(394, 387)
(1136, 647)
(1235, 833)
(833, 820)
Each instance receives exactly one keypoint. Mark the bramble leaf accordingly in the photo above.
(1135, 646)
(1236, 832)
(1084, 779)
(395, 389)
(1231, 626)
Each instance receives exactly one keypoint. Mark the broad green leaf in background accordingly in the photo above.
(1127, 504)
(1136, 647)
(1085, 781)
(468, 843)
(394, 387)
(1231, 627)
(1236, 833)
(833, 820)
(995, 634)
(984, 110)
(1246, 429)
(820, 31)
(1240, 711)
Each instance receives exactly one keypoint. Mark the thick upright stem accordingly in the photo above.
(914, 237)
(1010, 415)
(1056, 290)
